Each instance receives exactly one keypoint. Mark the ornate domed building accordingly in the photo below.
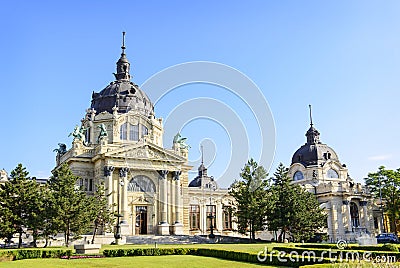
(120, 143)
(348, 204)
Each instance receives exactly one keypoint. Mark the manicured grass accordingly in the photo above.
(249, 248)
(137, 262)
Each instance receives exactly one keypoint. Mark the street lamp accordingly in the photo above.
(211, 216)
(117, 234)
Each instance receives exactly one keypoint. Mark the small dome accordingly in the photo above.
(124, 95)
(314, 152)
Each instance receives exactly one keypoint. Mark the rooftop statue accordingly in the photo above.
(62, 149)
(78, 133)
(103, 132)
(178, 139)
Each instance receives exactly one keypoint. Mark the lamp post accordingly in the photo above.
(211, 216)
(380, 199)
(117, 234)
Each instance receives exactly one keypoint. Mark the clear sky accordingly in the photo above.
(343, 57)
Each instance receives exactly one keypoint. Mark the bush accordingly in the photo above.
(390, 247)
(148, 252)
(21, 254)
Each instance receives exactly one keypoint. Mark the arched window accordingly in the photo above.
(355, 219)
(134, 132)
(87, 135)
(298, 176)
(332, 174)
(145, 131)
(123, 131)
(141, 183)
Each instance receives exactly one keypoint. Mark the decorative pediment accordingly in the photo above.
(145, 151)
(103, 115)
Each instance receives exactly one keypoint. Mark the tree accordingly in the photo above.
(20, 197)
(252, 198)
(103, 214)
(70, 205)
(296, 211)
(386, 182)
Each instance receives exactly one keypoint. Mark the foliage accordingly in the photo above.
(148, 252)
(390, 247)
(20, 200)
(252, 198)
(296, 211)
(387, 183)
(21, 254)
(101, 212)
(71, 208)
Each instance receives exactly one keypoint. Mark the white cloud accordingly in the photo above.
(380, 157)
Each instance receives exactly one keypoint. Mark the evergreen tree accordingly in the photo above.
(386, 182)
(19, 198)
(252, 198)
(101, 212)
(70, 206)
(296, 211)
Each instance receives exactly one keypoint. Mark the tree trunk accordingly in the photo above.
(46, 241)
(94, 232)
(20, 238)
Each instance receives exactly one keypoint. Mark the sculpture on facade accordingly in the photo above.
(62, 149)
(103, 132)
(178, 139)
(78, 133)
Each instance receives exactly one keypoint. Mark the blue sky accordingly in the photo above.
(343, 57)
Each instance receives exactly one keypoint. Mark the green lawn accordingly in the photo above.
(137, 262)
(250, 248)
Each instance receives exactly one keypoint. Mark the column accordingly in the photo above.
(123, 174)
(331, 230)
(163, 227)
(364, 204)
(108, 171)
(349, 225)
(340, 228)
(178, 226)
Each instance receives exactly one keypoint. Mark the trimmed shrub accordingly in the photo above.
(147, 252)
(21, 254)
(390, 247)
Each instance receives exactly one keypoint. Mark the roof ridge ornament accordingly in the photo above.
(312, 133)
(123, 64)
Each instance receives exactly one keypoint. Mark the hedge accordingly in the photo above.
(338, 253)
(385, 247)
(21, 254)
(148, 252)
(216, 253)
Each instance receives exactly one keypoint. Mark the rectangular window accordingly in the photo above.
(133, 132)
(211, 216)
(86, 186)
(87, 135)
(194, 217)
(123, 130)
(91, 185)
(227, 217)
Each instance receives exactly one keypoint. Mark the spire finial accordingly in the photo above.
(123, 43)
(310, 115)
(202, 159)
